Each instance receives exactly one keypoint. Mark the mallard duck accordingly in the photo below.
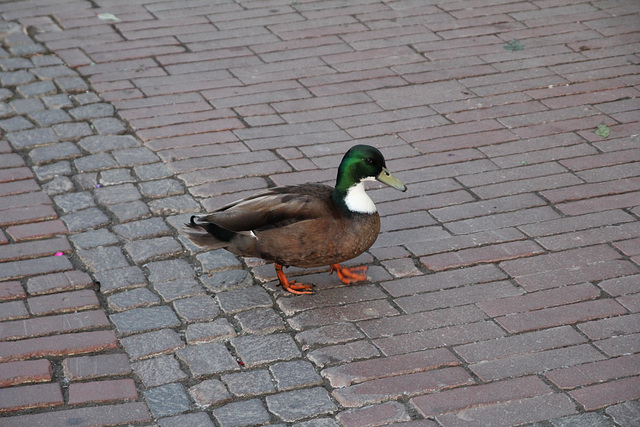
(308, 225)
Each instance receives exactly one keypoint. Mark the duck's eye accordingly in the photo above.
(369, 161)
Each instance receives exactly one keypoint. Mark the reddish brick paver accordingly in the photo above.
(504, 287)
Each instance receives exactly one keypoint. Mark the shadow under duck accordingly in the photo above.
(307, 225)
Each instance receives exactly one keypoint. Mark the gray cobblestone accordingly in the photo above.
(164, 271)
(37, 89)
(27, 49)
(99, 143)
(103, 257)
(115, 177)
(209, 392)
(226, 280)
(115, 194)
(94, 238)
(12, 64)
(330, 422)
(46, 172)
(108, 126)
(15, 124)
(71, 84)
(177, 289)
(244, 413)
(299, 404)
(295, 374)
(6, 111)
(45, 60)
(583, 420)
(134, 298)
(86, 180)
(196, 309)
(217, 260)
(57, 101)
(54, 152)
(86, 98)
(74, 201)
(49, 117)
(119, 279)
(14, 78)
(142, 251)
(92, 111)
(243, 299)
(150, 344)
(26, 106)
(72, 131)
(130, 211)
(32, 138)
(169, 399)
(158, 370)
(218, 330)
(626, 413)
(5, 94)
(260, 321)
(207, 359)
(152, 227)
(144, 319)
(95, 162)
(249, 384)
(135, 156)
(58, 185)
(83, 220)
(161, 188)
(174, 205)
(53, 72)
(257, 350)
(197, 419)
(152, 171)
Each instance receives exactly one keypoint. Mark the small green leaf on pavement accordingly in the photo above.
(602, 130)
(513, 45)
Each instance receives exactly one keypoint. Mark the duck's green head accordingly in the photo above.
(362, 163)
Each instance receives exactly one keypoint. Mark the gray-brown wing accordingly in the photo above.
(274, 208)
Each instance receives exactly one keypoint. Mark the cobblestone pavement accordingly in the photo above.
(504, 288)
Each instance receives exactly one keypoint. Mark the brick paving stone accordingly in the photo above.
(58, 282)
(92, 367)
(356, 372)
(30, 396)
(108, 414)
(384, 389)
(39, 326)
(102, 391)
(374, 414)
(29, 371)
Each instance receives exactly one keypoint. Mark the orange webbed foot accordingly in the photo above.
(350, 275)
(291, 285)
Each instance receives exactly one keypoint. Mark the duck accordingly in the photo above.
(306, 225)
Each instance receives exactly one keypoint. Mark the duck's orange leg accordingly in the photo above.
(350, 275)
(291, 286)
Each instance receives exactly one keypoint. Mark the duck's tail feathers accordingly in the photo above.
(208, 235)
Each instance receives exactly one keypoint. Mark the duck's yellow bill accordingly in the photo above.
(387, 178)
